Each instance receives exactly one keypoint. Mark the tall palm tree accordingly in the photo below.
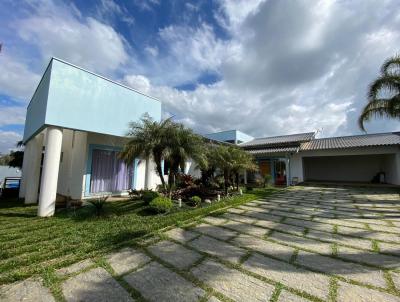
(384, 93)
(181, 145)
(147, 138)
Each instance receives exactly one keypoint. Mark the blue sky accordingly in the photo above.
(266, 67)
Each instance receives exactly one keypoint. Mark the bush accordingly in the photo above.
(148, 196)
(98, 204)
(195, 201)
(267, 180)
(161, 204)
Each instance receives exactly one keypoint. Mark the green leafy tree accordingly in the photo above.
(384, 94)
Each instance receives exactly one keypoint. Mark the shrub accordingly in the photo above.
(148, 196)
(98, 204)
(267, 180)
(195, 201)
(161, 204)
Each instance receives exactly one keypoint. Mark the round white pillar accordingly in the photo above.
(51, 165)
(31, 170)
(24, 170)
(147, 174)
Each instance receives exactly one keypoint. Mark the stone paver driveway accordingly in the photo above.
(302, 244)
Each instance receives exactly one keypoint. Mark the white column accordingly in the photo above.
(32, 168)
(51, 165)
(78, 166)
(147, 174)
(27, 156)
(245, 177)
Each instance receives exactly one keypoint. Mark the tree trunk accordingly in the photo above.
(226, 180)
(161, 174)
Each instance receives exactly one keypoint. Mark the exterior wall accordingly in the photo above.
(230, 135)
(344, 168)
(36, 111)
(102, 141)
(64, 174)
(72, 98)
(391, 163)
(191, 169)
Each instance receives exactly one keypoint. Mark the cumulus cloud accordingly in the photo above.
(14, 115)
(61, 32)
(8, 141)
(16, 79)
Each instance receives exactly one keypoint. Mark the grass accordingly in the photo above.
(30, 245)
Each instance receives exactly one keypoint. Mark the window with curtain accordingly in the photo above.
(109, 173)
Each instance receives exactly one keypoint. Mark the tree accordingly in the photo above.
(231, 160)
(164, 140)
(147, 138)
(181, 145)
(384, 94)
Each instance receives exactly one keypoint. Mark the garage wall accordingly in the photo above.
(357, 168)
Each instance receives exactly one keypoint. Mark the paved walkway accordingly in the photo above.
(303, 244)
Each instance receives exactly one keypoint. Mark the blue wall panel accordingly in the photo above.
(36, 111)
(71, 97)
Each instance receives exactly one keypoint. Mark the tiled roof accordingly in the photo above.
(273, 150)
(366, 140)
(278, 140)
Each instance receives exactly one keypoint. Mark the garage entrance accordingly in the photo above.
(350, 168)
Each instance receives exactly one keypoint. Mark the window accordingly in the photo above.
(109, 173)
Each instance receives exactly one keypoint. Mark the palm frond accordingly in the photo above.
(380, 108)
(391, 66)
(385, 83)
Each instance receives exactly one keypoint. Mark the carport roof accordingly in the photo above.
(366, 140)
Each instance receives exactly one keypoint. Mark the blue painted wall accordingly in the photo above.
(36, 111)
(230, 135)
(80, 100)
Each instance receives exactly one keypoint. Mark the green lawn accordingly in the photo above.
(30, 245)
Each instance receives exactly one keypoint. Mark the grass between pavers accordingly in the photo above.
(390, 289)
(35, 246)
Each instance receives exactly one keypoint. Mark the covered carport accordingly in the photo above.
(349, 168)
(358, 159)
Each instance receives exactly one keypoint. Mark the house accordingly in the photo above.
(76, 123)
(295, 158)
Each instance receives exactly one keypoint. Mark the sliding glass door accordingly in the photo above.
(109, 173)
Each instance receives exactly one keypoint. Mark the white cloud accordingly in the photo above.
(15, 78)
(146, 5)
(59, 31)
(138, 82)
(12, 115)
(187, 53)
(288, 67)
(8, 141)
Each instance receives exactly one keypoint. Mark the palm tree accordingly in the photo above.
(181, 145)
(147, 138)
(384, 93)
(231, 160)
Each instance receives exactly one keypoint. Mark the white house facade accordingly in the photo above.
(296, 158)
(77, 121)
(75, 126)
